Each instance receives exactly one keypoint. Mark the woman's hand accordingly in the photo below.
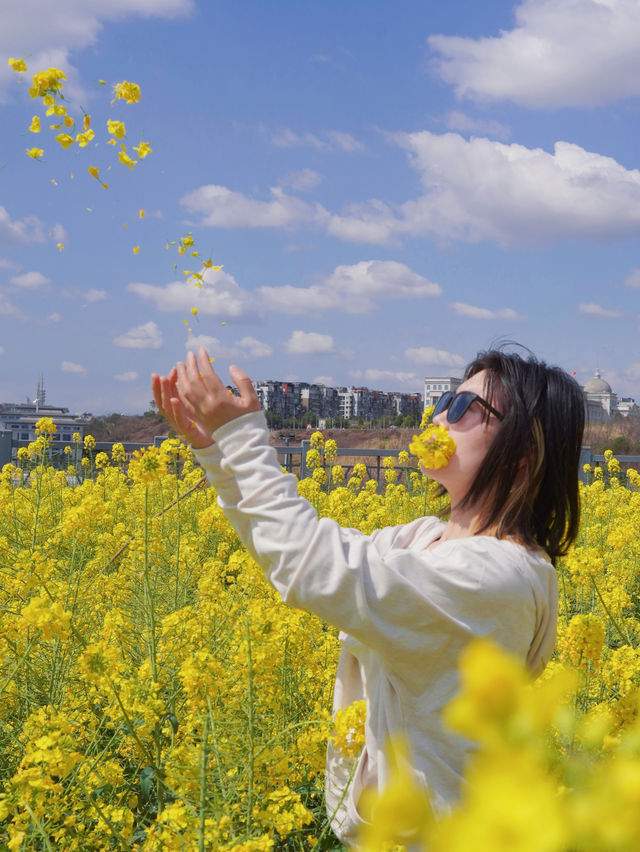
(196, 403)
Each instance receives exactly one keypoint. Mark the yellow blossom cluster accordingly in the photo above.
(157, 695)
(433, 447)
(48, 85)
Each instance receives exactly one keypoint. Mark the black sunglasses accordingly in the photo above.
(457, 404)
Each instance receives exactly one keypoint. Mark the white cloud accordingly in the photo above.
(246, 347)
(302, 181)
(384, 376)
(225, 208)
(485, 190)
(459, 121)
(484, 313)
(633, 371)
(48, 32)
(71, 367)
(254, 348)
(15, 232)
(1, 350)
(220, 295)
(597, 310)
(309, 343)
(54, 317)
(345, 141)
(93, 295)
(474, 190)
(560, 53)
(129, 376)
(9, 309)
(330, 139)
(289, 139)
(29, 280)
(323, 380)
(354, 289)
(633, 279)
(434, 357)
(146, 336)
(5, 264)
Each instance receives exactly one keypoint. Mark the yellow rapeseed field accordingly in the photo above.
(157, 695)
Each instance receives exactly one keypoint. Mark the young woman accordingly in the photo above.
(409, 598)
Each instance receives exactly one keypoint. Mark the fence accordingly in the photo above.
(293, 457)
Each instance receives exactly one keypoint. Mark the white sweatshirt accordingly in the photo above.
(405, 613)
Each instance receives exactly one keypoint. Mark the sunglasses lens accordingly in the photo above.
(442, 404)
(459, 404)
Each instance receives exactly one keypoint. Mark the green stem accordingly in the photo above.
(251, 729)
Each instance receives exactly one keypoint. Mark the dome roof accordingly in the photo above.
(597, 385)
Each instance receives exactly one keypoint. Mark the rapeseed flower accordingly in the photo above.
(35, 127)
(18, 65)
(433, 447)
(128, 92)
(36, 153)
(125, 159)
(116, 128)
(143, 150)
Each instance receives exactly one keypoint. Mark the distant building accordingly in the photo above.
(20, 418)
(601, 403)
(435, 386)
(294, 399)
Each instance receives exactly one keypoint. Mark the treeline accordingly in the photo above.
(276, 421)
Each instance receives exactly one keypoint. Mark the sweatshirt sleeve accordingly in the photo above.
(393, 600)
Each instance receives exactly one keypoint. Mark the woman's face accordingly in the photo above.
(473, 436)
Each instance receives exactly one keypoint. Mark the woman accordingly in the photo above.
(409, 598)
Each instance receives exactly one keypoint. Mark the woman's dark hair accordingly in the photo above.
(528, 480)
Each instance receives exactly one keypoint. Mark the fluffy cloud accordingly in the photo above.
(71, 367)
(246, 347)
(465, 124)
(560, 53)
(146, 336)
(633, 280)
(302, 181)
(29, 280)
(48, 32)
(473, 190)
(93, 295)
(484, 313)
(16, 232)
(434, 357)
(1, 350)
(598, 310)
(129, 376)
(331, 139)
(309, 343)
(323, 380)
(225, 208)
(355, 289)
(633, 371)
(220, 295)
(485, 190)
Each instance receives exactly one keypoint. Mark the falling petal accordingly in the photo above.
(60, 246)
(136, 249)
(141, 214)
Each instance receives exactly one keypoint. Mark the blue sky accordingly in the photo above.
(389, 188)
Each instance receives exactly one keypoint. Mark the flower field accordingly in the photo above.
(156, 694)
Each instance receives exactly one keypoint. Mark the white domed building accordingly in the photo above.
(601, 403)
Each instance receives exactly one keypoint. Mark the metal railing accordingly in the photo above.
(294, 457)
